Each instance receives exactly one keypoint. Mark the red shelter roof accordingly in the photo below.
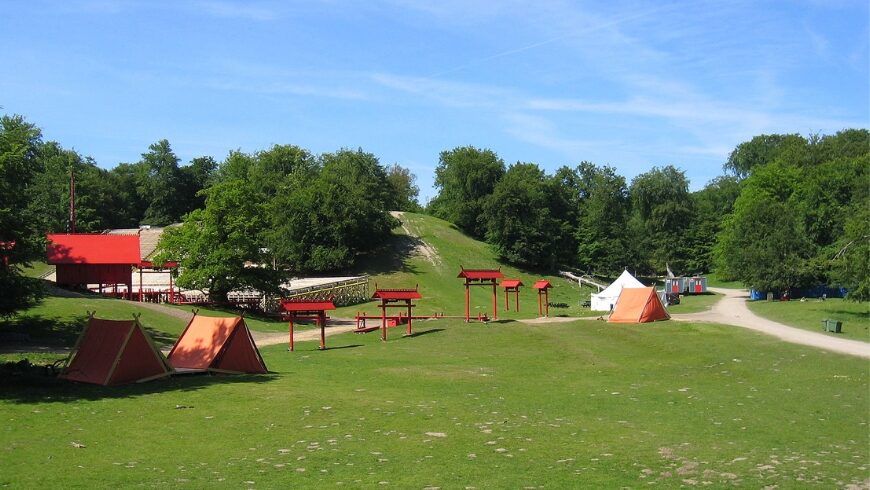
(511, 283)
(396, 294)
(477, 274)
(304, 305)
(93, 249)
(542, 284)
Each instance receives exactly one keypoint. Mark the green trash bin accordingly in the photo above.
(835, 326)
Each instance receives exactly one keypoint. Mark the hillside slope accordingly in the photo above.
(428, 252)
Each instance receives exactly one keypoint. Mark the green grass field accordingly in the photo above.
(809, 314)
(583, 404)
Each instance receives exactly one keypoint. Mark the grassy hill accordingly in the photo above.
(428, 252)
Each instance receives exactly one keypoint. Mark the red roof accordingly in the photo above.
(542, 284)
(83, 248)
(397, 294)
(511, 283)
(303, 305)
(476, 274)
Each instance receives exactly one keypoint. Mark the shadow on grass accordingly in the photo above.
(846, 315)
(391, 257)
(59, 390)
(43, 333)
(423, 332)
(351, 346)
(29, 330)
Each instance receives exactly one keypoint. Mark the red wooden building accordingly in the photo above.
(82, 259)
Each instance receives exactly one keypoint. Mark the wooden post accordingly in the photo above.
(383, 322)
(140, 283)
(321, 320)
(517, 298)
(494, 301)
(467, 303)
(291, 334)
(546, 302)
(507, 306)
(409, 317)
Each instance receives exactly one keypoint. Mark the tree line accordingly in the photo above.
(787, 212)
(283, 207)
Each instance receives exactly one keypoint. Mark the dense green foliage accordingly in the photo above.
(527, 217)
(466, 177)
(801, 216)
(19, 232)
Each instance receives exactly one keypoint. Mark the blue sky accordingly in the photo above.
(630, 84)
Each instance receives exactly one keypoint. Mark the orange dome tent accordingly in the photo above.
(638, 305)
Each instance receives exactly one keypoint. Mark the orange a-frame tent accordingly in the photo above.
(114, 352)
(638, 305)
(222, 345)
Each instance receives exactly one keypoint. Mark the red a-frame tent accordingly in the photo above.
(114, 352)
(216, 344)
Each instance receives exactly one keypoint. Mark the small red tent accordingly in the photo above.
(223, 345)
(114, 352)
(638, 305)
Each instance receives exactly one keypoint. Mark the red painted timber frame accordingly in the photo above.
(543, 286)
(396, 298)
(306, 310)
(512, 285)
(480, 277)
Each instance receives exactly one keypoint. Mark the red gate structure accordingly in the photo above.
(511, 285)
(395, 298)
(480, 277)
(543, 286)
(294, 309)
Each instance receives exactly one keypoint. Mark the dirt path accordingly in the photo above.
(732, 310)
(422, 248)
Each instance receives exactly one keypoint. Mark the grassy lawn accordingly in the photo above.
(714, 281)
(695, 303)
(583, 404)
(37, 269)
(809, 314)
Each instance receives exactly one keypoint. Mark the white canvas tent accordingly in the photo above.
(607, 298)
